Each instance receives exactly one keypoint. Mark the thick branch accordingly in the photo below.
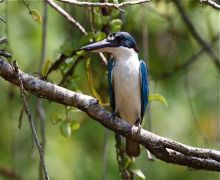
(211, 3)
(163, 148)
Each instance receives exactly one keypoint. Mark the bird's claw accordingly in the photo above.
(137, 124)
(113, 116)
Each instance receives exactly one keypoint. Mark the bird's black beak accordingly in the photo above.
(99, 46)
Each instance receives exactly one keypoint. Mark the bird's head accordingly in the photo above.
(116, 43)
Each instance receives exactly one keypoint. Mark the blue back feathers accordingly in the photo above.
(110, 85)
(144, 87)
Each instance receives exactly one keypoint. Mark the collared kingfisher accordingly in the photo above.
(127, 79)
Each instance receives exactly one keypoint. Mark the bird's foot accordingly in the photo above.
(138, 124)
(114, 114)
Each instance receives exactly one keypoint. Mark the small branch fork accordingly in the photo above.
(67, 16)
(188, 62)
(107, 5)
(214, 57)
(27, 110)
(163, 148)
(73, 22)
(211, 3)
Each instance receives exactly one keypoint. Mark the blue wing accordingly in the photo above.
(110, 84)
(144, 87)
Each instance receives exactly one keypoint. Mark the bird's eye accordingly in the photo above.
(111, 36)
(118, 38)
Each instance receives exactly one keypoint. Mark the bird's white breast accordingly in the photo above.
(126, 82)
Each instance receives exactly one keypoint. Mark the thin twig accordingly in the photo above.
(3, 40)
(67, 16)
(187, 89)
(70, 72)
(22, 113)
(196, 35)
(5, 54)
(106, 5)
(1, 18)
(211, 3)
(163, 148)
(121, 158)
(58, 62)
(27, 111)
(44, 36)
(73, 22)
(27, 4)
(40, 113)
(188, 62)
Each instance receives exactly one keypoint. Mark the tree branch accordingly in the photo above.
(18, 78)
(74, 22)
(107, 5)
(1, 18)
(40, 112)
(3, 40)
(70, 72)
(5, 54)
(163, 148)
(186, 63)
(67, 16)
(196, 35)
(211, 3)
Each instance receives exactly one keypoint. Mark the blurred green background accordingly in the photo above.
(164, 42)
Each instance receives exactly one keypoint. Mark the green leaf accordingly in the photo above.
(116, 28)
(73, 85)
(75, 125)
(66, 48)
(105, 19)
(116, 22)
(46, 67)
(56, 118)
(115, 13)
(134, 168)
(90, 81)
(158, 97)
(97, 19)
(65, 129)
(36, 16)
(100, 36)
(127, 163)
(80, 53)
(75, 110)
(115, 25)
(86, 39)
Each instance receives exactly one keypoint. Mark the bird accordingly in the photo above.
(127, 80)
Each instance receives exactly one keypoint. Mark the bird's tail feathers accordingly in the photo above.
(132, 148)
